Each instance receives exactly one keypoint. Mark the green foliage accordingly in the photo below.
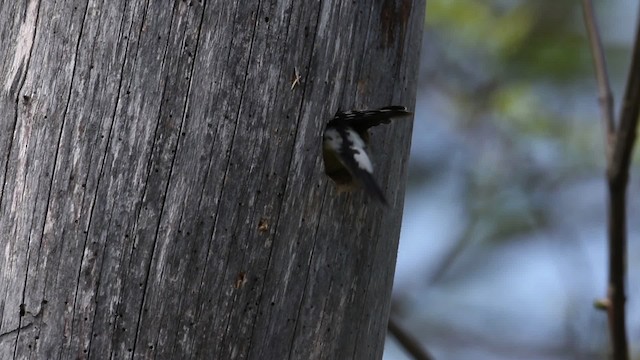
(515, 73)
(528, 39)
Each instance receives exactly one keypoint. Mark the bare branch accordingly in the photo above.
(408, 342)
(620, 144)
(605, 96)
(618, 175)
(626, 134)
(617, 233)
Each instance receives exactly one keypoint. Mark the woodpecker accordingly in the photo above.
(344, 148)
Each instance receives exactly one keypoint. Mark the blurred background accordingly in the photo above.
(503, 248)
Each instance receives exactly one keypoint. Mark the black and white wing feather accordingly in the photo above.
(363, 120)
(351, 150)
(346, 159)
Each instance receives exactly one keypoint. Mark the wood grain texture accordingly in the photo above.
(162, 192)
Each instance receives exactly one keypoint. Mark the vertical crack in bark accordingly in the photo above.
(23, 69)
(166, 187)
(315, 235)
(279, 208)
(55, 161)
(120, 91)
(19, 80)
(226, 172)
(185, 108)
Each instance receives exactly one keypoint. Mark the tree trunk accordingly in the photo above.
(162, 191)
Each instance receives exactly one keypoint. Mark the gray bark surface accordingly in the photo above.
(161, 185)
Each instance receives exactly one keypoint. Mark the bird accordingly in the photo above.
(344, 148)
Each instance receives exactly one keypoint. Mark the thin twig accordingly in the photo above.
(605, 96)
(619, 151)
(408, 342)
(626, 133)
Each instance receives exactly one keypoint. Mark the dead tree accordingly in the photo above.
(162, 192)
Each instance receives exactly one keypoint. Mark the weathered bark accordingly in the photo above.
(162, 193)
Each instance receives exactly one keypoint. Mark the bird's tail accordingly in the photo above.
(372, 188)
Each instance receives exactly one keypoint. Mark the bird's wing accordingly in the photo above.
(363, 120)
(351, 151)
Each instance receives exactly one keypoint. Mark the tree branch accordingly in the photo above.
(620, 144)
(408, 342)
(626, 134)
(605, 95)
